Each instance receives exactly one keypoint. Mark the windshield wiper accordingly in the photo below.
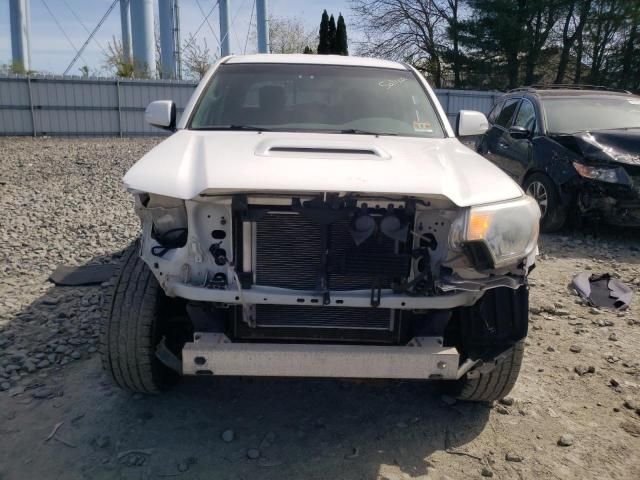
(355, 131)
(248, 128)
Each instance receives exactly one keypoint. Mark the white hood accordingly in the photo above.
(191, 162)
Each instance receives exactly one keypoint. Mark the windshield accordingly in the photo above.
(591, 113)
(316, 98)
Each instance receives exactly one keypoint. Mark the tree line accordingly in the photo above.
(507, 43)
(332, 39)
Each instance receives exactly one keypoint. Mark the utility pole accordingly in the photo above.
(125, 26)
(20, 35)
(176, 38)
(167, 43)
(263, 26)
(225, 49)
(143, 37)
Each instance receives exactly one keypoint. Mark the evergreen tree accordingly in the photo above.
(332, 36)
(342, 47)
(307, 50)
(324, 46)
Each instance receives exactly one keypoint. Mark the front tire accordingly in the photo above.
(132, 328)
(544, 191)
(493, 331)
(498, 382)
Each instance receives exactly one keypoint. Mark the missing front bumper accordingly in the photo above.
(283, 296)
(423, 358)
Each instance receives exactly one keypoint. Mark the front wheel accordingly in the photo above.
(493, 331)
(134, 325)
(542, 189)
(497, 382)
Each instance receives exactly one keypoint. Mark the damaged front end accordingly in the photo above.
(336, 269)
(607, 186)
(263, 252)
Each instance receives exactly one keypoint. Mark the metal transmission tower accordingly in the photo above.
(20, 35)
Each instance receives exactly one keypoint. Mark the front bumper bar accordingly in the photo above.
(423, 358)
(282, 296)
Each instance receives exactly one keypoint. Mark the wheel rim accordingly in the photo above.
(538, 191)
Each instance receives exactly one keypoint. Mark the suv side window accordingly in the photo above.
(495, 111)
(526, 116)
(507, 112)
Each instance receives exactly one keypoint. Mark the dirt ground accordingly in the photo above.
(60, 417)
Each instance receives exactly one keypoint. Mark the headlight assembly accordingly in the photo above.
(168, 218)
(604, 174)
(507, 231)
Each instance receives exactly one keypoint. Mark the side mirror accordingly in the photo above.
(470, 122)
(162, 114)
(519, 133)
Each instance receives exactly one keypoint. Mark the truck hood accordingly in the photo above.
(193, 162)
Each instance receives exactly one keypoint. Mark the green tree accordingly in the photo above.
(576, 13)
(324, 46)
(629, 42)
(342, 47)
(604, 26)
(497, 31)
(332, 35)
(307, 50)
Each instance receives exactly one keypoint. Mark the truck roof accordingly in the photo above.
(315, 60)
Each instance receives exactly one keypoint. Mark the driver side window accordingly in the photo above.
(526, 116)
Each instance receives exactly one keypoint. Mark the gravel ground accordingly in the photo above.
(575, 411)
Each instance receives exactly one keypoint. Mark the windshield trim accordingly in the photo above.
(421, 82)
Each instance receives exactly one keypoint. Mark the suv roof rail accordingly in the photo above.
(566, 86)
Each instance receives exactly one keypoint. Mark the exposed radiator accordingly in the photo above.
(274, 316)
(288, 252)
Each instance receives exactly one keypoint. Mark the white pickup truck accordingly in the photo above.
(316, 216)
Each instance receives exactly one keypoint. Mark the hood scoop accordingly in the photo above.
(323, 150)
(327, 149)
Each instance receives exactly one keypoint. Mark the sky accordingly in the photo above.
(51, 52)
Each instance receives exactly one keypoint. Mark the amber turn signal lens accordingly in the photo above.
(478, 226)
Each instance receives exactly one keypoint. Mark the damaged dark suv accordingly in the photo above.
(574, 149)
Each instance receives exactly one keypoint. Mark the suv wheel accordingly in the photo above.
(136, 321)
(543, 190)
